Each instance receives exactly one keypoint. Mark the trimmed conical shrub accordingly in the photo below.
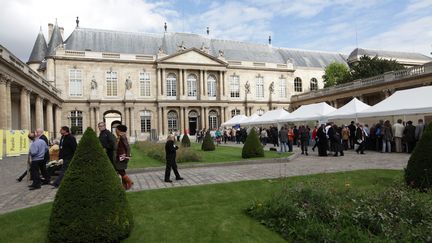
(185, 142)
(252, 147)
(91, 204)
(418, 173)
(208, 144)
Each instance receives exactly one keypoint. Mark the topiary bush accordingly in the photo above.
(91, 204)
(418, 173)
(208, 144)
(185, 142)
(252, 147)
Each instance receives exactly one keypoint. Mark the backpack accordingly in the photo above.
(378, 131)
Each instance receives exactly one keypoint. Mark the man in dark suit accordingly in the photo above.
(107, 140)
(171, 152)
(68, 146)
(352, 129)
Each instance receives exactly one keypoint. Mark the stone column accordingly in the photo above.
(8, 105)
(206, 114)
(202, 115)
(92, 118)
(205, 84)
(162, 81)
(39, 112)
(159, 120)
(185, 126)
(201, 90)
(58, 121)
(224, 83)
(24, 113)
(3, 102)
(223, 117)
(220, 86)
(180, 86)
(132, 122)
(97, 116)
(126, 118)
(50, 119)
(158, 85)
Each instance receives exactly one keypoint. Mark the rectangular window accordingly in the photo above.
(144, 78)
(75, 82)
(282, 88)
(145, 122)
(260, 87)
(235, 86)
(76, 121)
(235, 112)
(111, 83)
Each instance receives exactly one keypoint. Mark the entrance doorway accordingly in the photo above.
(193, 122)
(112, 119)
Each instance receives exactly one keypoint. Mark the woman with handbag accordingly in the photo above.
(122, 156)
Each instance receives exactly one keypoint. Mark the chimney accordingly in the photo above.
(50, 31)
(61, 31)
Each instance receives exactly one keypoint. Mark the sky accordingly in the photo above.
(324, 25)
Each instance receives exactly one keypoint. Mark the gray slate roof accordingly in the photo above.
(39, 51)
(56, 40)
(389, 54)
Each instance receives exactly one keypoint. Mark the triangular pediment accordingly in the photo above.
(192, 56)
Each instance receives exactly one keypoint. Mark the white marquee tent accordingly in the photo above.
(270, 117)
(349, 110)
(310, 112)
(403, 102)
(234, 121)
(249, 120)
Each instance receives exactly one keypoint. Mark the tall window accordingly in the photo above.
(145, 121)
(144, 78)
(111, 83)
(298, 85)
(191, 85)
(235, 86)
(75, 82)
(172, 121)
(235, 112)
(259, 87)
(213, 123)
(314, 84)
(76, 121)
(282, 88)
(260, 111)
(211, 86)
(171, 85)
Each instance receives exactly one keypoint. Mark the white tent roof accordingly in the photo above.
(310, 112)
(270, 117)
(250, 119)
(234, 121)
(348, 111)
(403, 102)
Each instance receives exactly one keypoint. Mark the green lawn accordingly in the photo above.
(221, 154)
(209, 213)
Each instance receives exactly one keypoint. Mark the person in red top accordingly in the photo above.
(290, 139)
(314, 137)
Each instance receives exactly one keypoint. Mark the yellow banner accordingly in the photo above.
(24, 142)
(1, 144)
(46, 133)
(13, 142)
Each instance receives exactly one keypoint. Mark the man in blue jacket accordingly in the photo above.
(38, 148)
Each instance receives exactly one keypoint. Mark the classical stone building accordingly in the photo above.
(159, 83)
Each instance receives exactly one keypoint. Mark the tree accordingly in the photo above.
(368, 67)
(208, 144)
(185, 142)
(252, 147)
(91, 204)
(418, 173)
(336, 73)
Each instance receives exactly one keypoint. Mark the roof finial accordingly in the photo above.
(269, 39)
(77, 21)
(208, 30)
(165, 27)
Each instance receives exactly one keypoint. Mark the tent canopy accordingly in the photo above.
(250, 119)
(270, 117)
(310, 112)
(403, 102)
(349, 110)
(234, 121)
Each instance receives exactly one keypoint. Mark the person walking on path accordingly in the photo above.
(68, 146)
(398, 130)
(122, 156)
(283, 138)
(38, 149)
(107, 140)
(361, 137)
(304, 139)
(170, 154)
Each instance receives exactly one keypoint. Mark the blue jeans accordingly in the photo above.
(284, 146)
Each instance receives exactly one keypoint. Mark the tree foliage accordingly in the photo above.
(252, 147)
(208, 144)
(91, 204)
(368, 67)
(336, 73)
(185, 142)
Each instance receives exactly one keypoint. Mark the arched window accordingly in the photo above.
(191, 85)
(211, 86)
(235, 112)
(172, 121)
(213, 119)
(76, 120)
(260, 111)
(314, 84)
(260, 86)
(298, 85)
(145, 121)
(171, 85)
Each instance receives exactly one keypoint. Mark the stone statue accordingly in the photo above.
(93, 83)
(181, 47)
(271, 88)
(247, 87)
(128, 83)
(221, 53)
(161, 51)
(204, 48)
